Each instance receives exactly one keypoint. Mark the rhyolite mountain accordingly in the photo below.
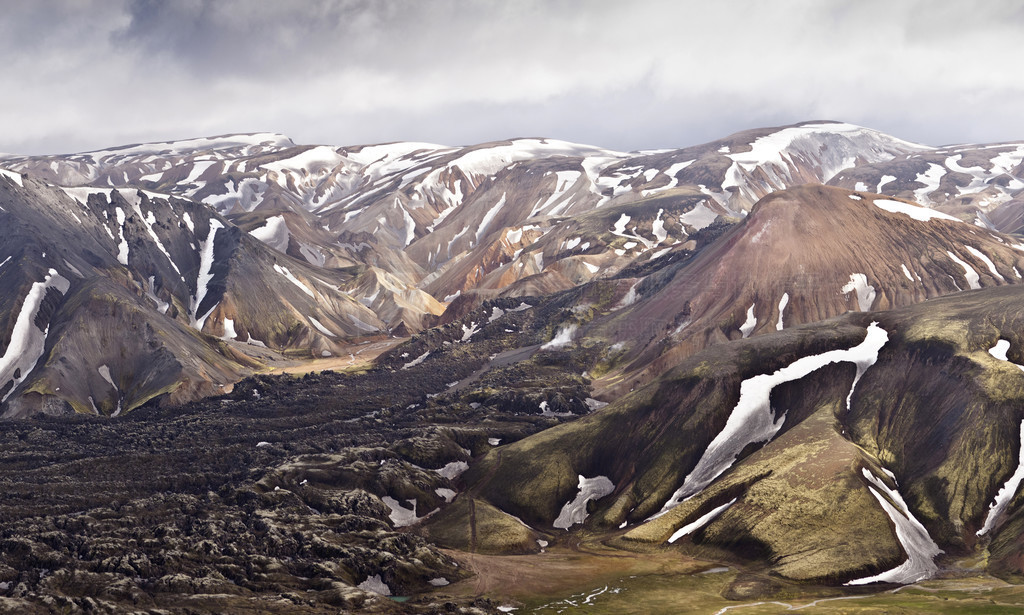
(802, 255)
(382, 239)
(114, 298)
(760, 351)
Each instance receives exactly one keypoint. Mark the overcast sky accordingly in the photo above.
(86, 74)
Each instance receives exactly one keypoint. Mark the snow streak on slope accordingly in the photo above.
(122, 246)
(205, 274)
(753, 420)
(782, 310)
(921, 549)
(28, 341)
(294, 280)
(1009, 489)
(988, 262)
(690, 528)
(973, 280)
(148, 221)
(575, 510)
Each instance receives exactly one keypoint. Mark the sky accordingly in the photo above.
(81, 75)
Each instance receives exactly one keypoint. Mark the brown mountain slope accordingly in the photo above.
(803, 255)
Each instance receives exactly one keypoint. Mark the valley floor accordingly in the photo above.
(597, 579)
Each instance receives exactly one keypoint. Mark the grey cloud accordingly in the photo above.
(644, 74)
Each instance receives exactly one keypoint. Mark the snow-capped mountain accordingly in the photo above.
(259, 241)
(452, 219)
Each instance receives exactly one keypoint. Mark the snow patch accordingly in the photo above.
(921, 214)
(401, 516)
(575, 510)
(563, 338)
(886, 179)
(374, 584)
(496, 313)
(930, 179)
(865, 292)
(105, 374)
(417, 360)
(273, 233)
(999, 352)
(453, 470)
(11, 175)
(748, 325)
(468, 332)
(658, 228)
(699, 217)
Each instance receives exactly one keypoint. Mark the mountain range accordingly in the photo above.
(795, 350)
